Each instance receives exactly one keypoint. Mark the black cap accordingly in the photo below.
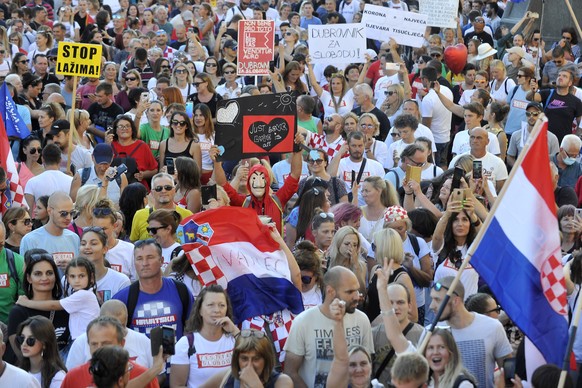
(58, 126)
(536, 105)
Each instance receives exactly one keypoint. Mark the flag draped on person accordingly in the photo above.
(14, 125)
(13, 195)
(230, 246)
(519, 254)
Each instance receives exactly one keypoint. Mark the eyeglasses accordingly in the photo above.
(180, 123)
(317, 161)
(530, 114)
(479, 20)
(414, 163)
(496, 310)
(25, 221)
(131, 79)
(389, 92)
(165, 187)
(438, 286)
(180, 71)
(306, 279)
(33, 151)
(457, 259)
(369, 126)
(154, 230)
(124, 127)
(211, 65)
(246, 333)
(102, 211)
(30, 341)
(230, 72)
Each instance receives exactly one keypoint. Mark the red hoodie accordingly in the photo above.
(268, 206)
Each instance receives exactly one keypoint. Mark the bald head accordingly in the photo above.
(56, 97)
(115, 309)
(336, 276)
(58, 198)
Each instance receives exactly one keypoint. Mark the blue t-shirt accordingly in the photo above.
(163, 308)
(64, 247)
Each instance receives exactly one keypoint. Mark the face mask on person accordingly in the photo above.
(569, 161)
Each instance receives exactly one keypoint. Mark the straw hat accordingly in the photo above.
(485, 50)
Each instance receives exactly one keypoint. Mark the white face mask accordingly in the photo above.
(258, 184)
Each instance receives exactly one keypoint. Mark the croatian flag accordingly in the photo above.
(13, 123)
(230, 246)
(519, 255)
(14, 193)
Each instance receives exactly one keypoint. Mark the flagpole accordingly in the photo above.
(533, 136)
(573, 330)
(573, 15)
(72, 122)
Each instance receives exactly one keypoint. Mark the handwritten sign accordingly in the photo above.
(383, 23)
(337, 43)
(80, 59)
(255, 46)
(441, 13)
(266, 124)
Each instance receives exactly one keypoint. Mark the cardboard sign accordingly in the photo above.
(255, 46)
(337, 43)
(407, 28)
(441, 13)
(80, 59)
(266, 124)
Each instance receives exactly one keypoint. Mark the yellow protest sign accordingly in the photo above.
(80, 59)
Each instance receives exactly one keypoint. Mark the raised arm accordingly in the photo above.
(456, 109)
(293, 266)
(339, 371)
(314, 84)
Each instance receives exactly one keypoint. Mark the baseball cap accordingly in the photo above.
(516, 50)
(373, 54)
(103, 153)
(58, 126)
(231, 43)
(536, 105)
(187, 15)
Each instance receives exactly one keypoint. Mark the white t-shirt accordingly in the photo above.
(345, 105)
(167, 254)
(311, 337)
(381, 86)
(16, 377)
(211, 357)
(461, 143)
(380, 152)
(136, 344)
(282, 170)
(47, 183)
(56, 382)
(431, 106)
(312, 298)
(111, 283)
(423, 250)
(121, 259)
(466, 97)
(493, 167)
(205, 145)
(505, 87)
(421, 131)
(187, 90)
(82, 307)
(480, 344)
(397, 146)
(469, 277)
(349, 10)
(113, 189)
(80, 158)
(344, 172)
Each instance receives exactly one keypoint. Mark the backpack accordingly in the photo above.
(13, 273)
(87, 173)
(133, 294)
(128, 160)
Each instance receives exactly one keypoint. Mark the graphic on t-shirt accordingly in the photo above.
(348, 176)
(324, 351)
(152, 314)
(473, 353)
(116, 267)
(104, 295)
(4, 280)
(214, 360)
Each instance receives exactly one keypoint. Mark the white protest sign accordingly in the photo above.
(337, 43)
(407, 28)
(441, 13)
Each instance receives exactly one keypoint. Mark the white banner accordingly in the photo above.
(407, 28)
(441, 13)
(337, 43)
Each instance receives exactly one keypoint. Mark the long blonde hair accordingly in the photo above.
(337, 259)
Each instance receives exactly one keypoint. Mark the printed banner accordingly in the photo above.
(255, 46)
(407, 28)
(441, 13)
(337, 43)
(80, 59)
(266, 124)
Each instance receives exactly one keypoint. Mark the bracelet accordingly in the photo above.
(476, 223)
(368, 150)
(412, 193)
(388, 312)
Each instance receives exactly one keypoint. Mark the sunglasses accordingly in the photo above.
(180, 71)
(211, 65)
(496, 310)
(124, 127)
(2, 51)
(438, 286)
(164, 67)
(479, 21)
(288, 33)
(420, 62)
(325, 216)
(198, 83)
(434, 55)
(181, 123)
(389, 92)
(165, 187)
(25, 61)
(147, 241)
(65, 214)
(33, 151)
(230, 72)
(30, 341)
(246, 333)
(94, 229)
(521, 75)
(102, 211)
(395, 134)
(530, 114)
(306, 279)
(369, 126)
(318, 161)
(536, 39)
(26, 221)
(131, 79)
(154, 230)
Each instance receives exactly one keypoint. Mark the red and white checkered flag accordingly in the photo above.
(16, 196)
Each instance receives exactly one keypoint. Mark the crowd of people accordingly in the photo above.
(402, 161)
